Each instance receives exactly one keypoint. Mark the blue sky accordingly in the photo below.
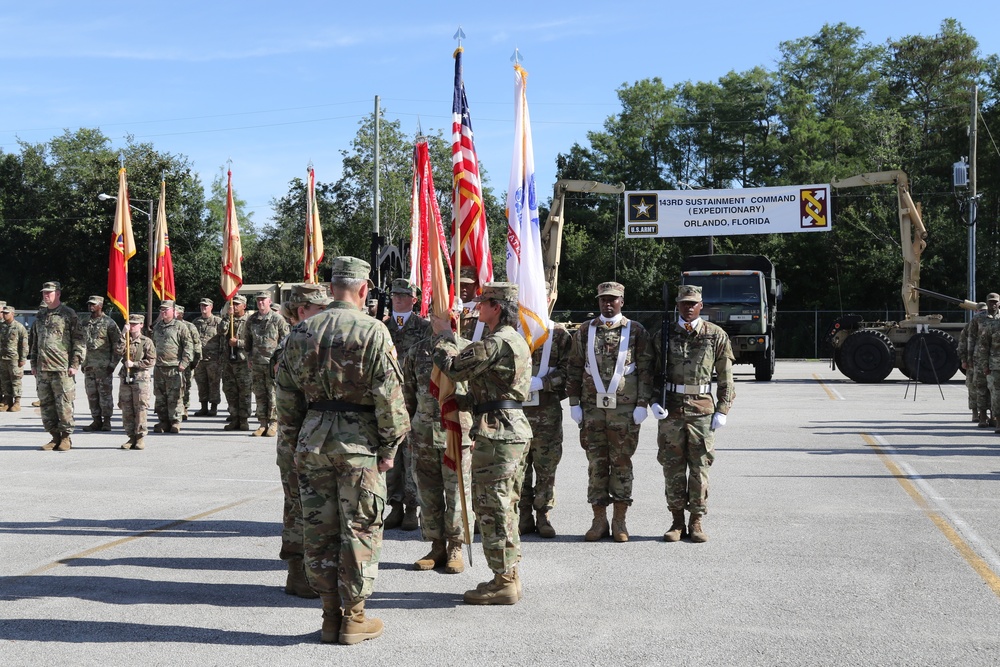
(274, 85)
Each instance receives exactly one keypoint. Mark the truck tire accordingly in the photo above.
(867, 356)
(931, 357)
(763, 368)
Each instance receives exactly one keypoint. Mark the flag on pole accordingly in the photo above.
(163, 269)
(468, 216)
(122, 249)
(426, 229)
(524, 236)
(232, 251)
(313, 247)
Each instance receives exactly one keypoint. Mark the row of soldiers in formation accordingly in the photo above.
(979, 352)
(236, 350)
(348, 411)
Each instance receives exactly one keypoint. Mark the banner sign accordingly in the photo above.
(780, 210)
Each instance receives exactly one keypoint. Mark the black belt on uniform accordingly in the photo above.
(340, 406)
(496, 405)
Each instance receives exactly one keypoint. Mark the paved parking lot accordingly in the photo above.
(849, 524)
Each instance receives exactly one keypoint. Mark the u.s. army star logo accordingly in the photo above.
(642, 207)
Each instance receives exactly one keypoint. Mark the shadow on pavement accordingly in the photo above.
(130, 527)
(105, 632)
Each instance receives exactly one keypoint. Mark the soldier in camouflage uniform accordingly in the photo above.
(135, 383)
(498, 372)
(174, 351)
(236, 376)
(98, 369)
(609, 385)
(685, 435)
(987, 361)
(57, 348)
(468, 288)
(544, 412)
(406, 328)
(340, 401)
(195, 360)
(968, 360)
(437, 484)
(209, 371)
(13, 355)
(264, 330)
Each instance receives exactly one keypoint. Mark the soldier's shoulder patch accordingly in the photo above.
(472, 353)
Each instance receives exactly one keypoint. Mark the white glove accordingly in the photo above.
(130, 364)
(576, 413)
(639, 414)
(536, 384)
(658, 412)
(718, 421)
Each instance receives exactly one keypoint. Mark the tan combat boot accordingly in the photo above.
(175, 427)
(526, 521)
(36, 404)
(502, 590)
(676, 530)
(410, 519)
(984, 419)
(296, 582)
(51, 444)
(259, 431)
(65, 443)
(454, 564)
(161, 427)
(94, 425)
(619, 531)
(15, 406)
(272, 430)
(694, 529)
(435, 558)
(395, 517)
(599, 528)
(355, 627)
(545, 528)
(184, 415)
(3, 403)
(139, 443)
(333, 618)
(128, 443)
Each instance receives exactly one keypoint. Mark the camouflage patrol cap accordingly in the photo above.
(166, 305)
(206, 302)
(239, 298)
(688, 293)
(179, 309)
(52, 286)
(263, 294)
(350, 268)
(99, 300)
(498, 292)
(306, 294)
(274, 307)
(993, 296)
(982, 306)
(5, 308)
(404, 286)
(611, 289)
(468, 275)
(136, 318)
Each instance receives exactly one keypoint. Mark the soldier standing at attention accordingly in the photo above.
(967, 355)
(264, 330)
(498, 372)
(406, 328)
(13, 355)
(685, 435)
(987, 366)
(981, 401)
(236, 377)
(340, 401)
(98, 369)
(208, 372)
(609, 385)
(549, 365)
(56, 348)
(174, 351)
(195, 360)
(135, 385)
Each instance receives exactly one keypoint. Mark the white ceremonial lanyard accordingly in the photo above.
(607, 399)
(543, 367)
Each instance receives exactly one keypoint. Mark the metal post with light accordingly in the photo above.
(149, 263)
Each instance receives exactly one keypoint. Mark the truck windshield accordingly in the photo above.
(728, 288)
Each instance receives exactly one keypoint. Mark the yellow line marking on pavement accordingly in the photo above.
(975, 561)
(830, 391)
(145, 533)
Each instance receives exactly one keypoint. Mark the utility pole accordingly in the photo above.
(972, 192)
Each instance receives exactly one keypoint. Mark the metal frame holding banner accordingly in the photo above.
(678, 213)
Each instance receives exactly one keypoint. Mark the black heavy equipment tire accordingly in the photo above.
(937, 355)
(763, 369)
(867, 356)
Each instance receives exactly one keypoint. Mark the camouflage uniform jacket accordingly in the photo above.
(208, 334)
(497, 368)
(554, 383)
(405, 337)
(56, 342)
(196, 348)
(635, 387)
(693, 357)
(173, 343)
(102, 340)
(13, 341)
(969, 338)
(341, 354)
(239, 333)
(987, 347)
(142, 351)
(262, 335)
(424, 409)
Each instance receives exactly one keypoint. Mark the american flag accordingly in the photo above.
(468, 216)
